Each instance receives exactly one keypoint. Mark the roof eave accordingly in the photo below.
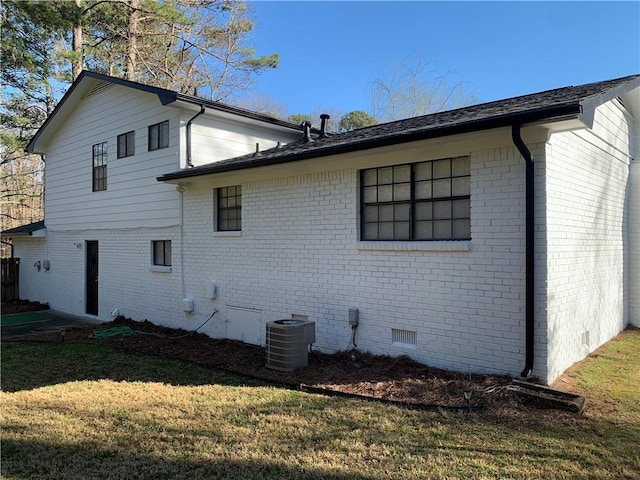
(559, 112)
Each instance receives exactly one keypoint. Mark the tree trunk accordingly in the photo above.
(132, 39)
(78, 61)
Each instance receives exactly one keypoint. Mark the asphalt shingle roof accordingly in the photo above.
(24, 229)
(550, 104)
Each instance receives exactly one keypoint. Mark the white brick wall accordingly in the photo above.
(126, 281)
(586, 182)
(634, 242)
(298, 253)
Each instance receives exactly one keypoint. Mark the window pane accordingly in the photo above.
(164, 134)
(424, 211)
(442, 169)
(122, 146)
(153, 137)
(461, 186)
(461, 166)
(423, 171)
(131, 143)
(371, 214)
(370, 194)
(167, 252)
(370, 177)
(385, 231)
(462, 228)
(442, 188)
(442, 210)
(158, 253)
(402, 192)
(401, 212)
(370, 231)
(401, 231)
(401, 174)
(423, 190)
(461, 209)
(385, 176)
(385, 193)
(386, 213)
(424, 230)
(442, 229)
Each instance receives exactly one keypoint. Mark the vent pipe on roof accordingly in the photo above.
(306, 127)
(529, 249)
(323, 125)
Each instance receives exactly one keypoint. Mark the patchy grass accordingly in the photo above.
(78, 411)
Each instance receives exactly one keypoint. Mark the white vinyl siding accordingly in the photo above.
(134, 198)
(215, 139)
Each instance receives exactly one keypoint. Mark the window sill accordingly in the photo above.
(230, 234)
(436, 246)
(159, 269)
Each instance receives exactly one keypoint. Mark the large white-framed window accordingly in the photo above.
(422, 201)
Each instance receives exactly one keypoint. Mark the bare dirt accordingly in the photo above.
(395, 379)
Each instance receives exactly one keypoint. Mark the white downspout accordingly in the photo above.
(180, 189)
(633, 217)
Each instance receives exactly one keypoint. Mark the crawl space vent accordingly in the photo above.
(404, 338)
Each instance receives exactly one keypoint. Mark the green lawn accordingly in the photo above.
(87, 411)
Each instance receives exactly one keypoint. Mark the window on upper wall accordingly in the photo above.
(159, 135)
(419, 201)
(229, 211)
(162, 253)
(99, 156)
(126, 144)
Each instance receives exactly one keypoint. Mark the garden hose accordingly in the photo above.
(128, 331)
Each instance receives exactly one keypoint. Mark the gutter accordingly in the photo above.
(529, 249)
(189, 162)
(335, 147)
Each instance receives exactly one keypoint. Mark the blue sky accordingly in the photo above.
(330, 52)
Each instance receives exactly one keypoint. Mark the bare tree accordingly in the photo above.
(410, 90)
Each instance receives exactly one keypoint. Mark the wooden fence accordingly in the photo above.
(10, 279)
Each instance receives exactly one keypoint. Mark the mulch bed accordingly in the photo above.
(396, 379)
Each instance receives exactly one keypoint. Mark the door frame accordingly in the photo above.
(91, 298)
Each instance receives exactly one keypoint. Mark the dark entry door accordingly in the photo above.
(91, 300)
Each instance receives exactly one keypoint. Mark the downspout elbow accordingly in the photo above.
(189, 160)
(529, 250)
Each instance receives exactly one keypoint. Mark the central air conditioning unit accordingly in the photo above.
(288, 343)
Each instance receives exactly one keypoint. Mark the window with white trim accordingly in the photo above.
(229, 209)
(418, 201)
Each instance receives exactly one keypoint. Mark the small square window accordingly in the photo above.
(162, 253)
(126, 144)
(159, 135)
